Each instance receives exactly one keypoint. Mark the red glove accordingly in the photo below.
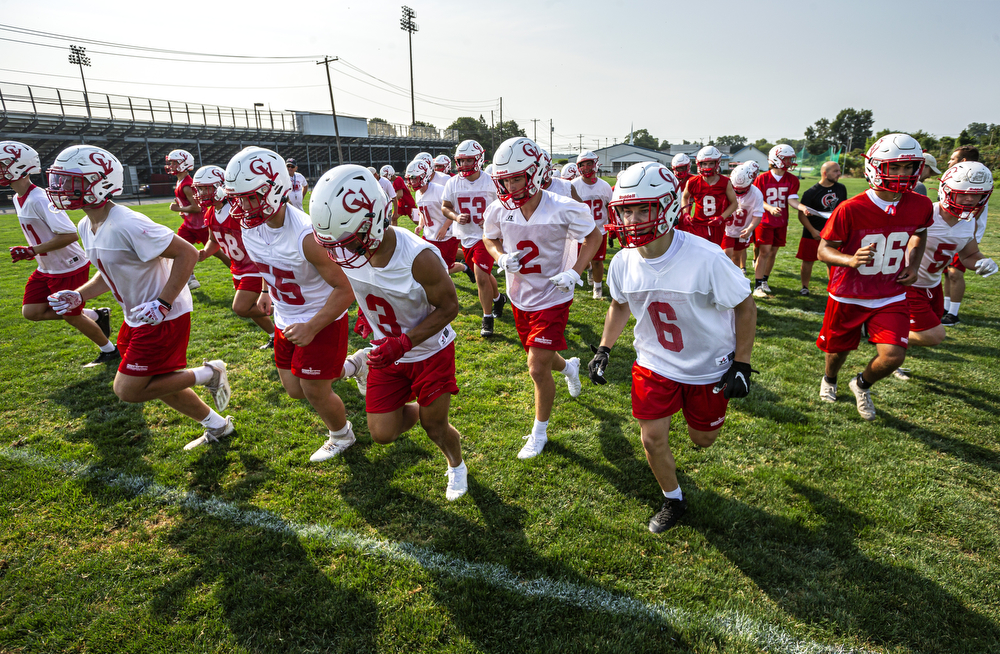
(21, 253)
(361, 326)
(388, 351)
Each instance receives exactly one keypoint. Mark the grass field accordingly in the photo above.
(809, 530)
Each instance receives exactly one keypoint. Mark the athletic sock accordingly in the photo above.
(540, 428)
(497, 297)
(349, 368)
(947, 305)
(90, 313)
(108, 347)
(213, 420)
(341, 433)
(487, 315)
(675, 494)
(459, 466)
(765, 277)
(597, 286)
(830, 380)
(954, 308)
(757, 282)
(202, 375)
(862, 384)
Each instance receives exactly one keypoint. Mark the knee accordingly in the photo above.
(128, 395)
(295, 391)
(381, 435)
(242, 311)
(32, 312)
(703, 438)
(655, 446)
(539, 370)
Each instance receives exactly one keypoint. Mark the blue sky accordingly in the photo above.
(682, 70)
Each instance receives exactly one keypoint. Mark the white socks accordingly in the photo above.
(675, 494)
(349, 369)
(213, 420)
(540, 429)
(954, 308)
(90, 313)
(339, 435)
(202, 375)
(108, 347)
(947, 305)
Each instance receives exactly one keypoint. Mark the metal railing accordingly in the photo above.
(380, 129)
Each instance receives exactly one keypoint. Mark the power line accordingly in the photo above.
(136, 56)
(182, 86)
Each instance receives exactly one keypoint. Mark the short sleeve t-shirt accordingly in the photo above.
(298, 190)
(406, 203)
(41, 222)
(429, 202)
(472, 198)
(596, 196)
(777, 193)
(751, 205)
(822, 198)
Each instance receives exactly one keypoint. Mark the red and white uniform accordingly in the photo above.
(194, 221)
(297, 289)
(751, 205)
(683, 304)
(439, 178)
(561, 186)
(41, 222)
(429, 204)
(472, 198)
(777, 192)
(943, 243)
(390, 192)
(229, 233)
(710, 200)
(548, 241)
(394, 302)
(126, 249)
(596, 196)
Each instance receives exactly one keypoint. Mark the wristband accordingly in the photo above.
(165, 303)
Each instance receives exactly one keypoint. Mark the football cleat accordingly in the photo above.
(458, 482)
(218, 385)
(827, 391)
(498, 306)
(212, 435)
(949, 320)
(269, 345)
(759, 292)
(470, 273)
(334, 446)
(105, 357)
(803, 291)
(902, 374)
(668, 515)
(360, 376)
(767, 289)
(598, 293)
(104, 320)
(572, 373)
(866, 408)
(487, 328)
(533, 447)
(193, 283)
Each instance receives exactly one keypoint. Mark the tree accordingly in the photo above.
(819, 137)
(851, 127)
(420, 123)
(378, 120)
(643, 139)
(470, 128)
(965, 138)
(734, 142)
(926, 141)
(664, 145)
(763, 145)
(508, 129)
(977, 131)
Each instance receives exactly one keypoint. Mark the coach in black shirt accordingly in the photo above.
(815, 207)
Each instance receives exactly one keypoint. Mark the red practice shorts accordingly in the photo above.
(957, 264)
(926, 307)
(841, 331)
(248, 283)
(424, 381)
(193, 236)
(323, 358)
(149, 350)
(808, 248)
(478, 256)
(655, 397)
(775, 236)
(545, 329)
(698, 229)
(735, 244)
(602, 252)
(41, 285)
(448, 250)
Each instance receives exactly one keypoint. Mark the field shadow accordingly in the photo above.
(765, 403)
(819, 575)
(962, 450)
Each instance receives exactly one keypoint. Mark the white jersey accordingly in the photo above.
(126, 250)
(429, 205)
(548, 241)
(297, 289)
(472, 198)
(683, 304)
(298, 190)
(393, 302)
(41, 222)
(596, 196)
(439, 178)
(390, 192)
(749, 206)
(943, 243)
(561, 186)
(981, 224)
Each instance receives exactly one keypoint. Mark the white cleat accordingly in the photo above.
(334, 446)
(902, 374)
(759, 292)
(866, 408)
(458, 482)
(767, 289)
(827, 391)
(572, 373)
(212, 435)
(360, 361)
(193, 283)
(533, 447)
(218, 385)
(598, 293)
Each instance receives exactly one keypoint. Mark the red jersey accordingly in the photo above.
(191, 220)
(229, 234)
(776, 193)
(406, 203)
(859, 222)
(710, 200)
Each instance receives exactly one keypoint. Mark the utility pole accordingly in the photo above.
(501, 119)
(79, 56)
(407, 25)
(552, 131)
(535, 121)
(581, 142)
(336, 128)
(493, 130)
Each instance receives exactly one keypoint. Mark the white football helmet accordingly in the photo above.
(388, 172)
(708, 161)
(418, 172)
(547, 163)
(654, 185)
(515, 157)
(210, 184)
(782, 157)
(570, 171)
(178, 161)
(743, 175)
(965, 178)
(681, 165)
(426, 156)
(893, 148)
(84, 176)
(442, 163)
(489, 170)
(372, 170)
(17, 160)
(257, 184)
(469, 157)
(350, 214)
(587, 171)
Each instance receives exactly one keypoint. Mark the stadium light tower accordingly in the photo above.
(407, 25)
(79, 56)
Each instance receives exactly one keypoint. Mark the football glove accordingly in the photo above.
(388, 351)
(566, 280)
(62, 302)
(150, 313)
(21, 253)
(736, 381)
(985, 267)
(361, 326)
(599, 363)
(510, 262)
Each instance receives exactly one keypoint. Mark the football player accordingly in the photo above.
(61, 263)
(750, 210)
(435, 177)
(403, 287)
(434, 225)
(954, 280)
(442, 164)
(694, 330)
(711, 194)
(680, 165)
(532, 235)
(595, 193)
(225, 234)
(308, 294)
(466, 197)
(554, 183)
(781, 190)
(146, 267)
(868, 241)
(570, 172)
(193, 229)
(405, 206)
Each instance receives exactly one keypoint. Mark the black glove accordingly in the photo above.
(599, 363)
(736, 381)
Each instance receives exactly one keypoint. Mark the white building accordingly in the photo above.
(616, 158)
(748, 153)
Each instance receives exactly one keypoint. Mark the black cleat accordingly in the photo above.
(470, 273)
(498, 306)
(269, 345)
(105, 357)
(950, 319)
(104, 321)
(487, 328)
(668, 516)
